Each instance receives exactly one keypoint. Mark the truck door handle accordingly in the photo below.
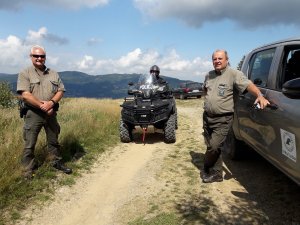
(272, 106)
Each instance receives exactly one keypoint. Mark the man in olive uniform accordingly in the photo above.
(219, 88)
(41, 89)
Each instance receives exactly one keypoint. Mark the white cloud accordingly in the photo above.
(66, 4)
(86, 63)
(94, 41)
(138, 61)
(131, 58)
(37, 37)
(52, 60)
(12, 54)
(247, 14)
(15, 51)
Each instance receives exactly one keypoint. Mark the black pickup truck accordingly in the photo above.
(273, 132)
(187, 90)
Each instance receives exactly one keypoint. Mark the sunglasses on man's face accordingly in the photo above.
(39, 56)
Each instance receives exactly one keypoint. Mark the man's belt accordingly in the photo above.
(218, 115)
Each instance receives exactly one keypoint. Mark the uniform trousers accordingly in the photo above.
(216, 128)
(34, 121)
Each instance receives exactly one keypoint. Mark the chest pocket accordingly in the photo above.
(54, 86)
(34, 83)
(222, 90)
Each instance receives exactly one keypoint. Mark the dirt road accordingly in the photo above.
(136, 180)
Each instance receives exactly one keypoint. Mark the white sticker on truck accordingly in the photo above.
(288, 145)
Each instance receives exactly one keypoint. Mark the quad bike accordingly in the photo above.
(150, 104)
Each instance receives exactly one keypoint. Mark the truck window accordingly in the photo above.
(260, 65)
(292, 63)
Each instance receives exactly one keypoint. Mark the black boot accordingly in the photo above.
(213, 176)
(60, 166)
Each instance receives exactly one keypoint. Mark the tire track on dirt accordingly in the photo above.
(121, 174)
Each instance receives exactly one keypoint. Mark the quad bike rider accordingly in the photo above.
(151, 104)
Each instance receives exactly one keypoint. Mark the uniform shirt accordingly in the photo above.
(160, 80)
(42, 84)
(220, 88)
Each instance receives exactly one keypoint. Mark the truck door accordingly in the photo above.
(252, 122)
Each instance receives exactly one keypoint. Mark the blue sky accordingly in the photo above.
(128, 36)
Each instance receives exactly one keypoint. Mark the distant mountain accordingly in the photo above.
(80, 84)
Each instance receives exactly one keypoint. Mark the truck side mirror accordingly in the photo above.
(291, 88)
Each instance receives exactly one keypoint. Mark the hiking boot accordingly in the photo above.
(203, 174)
(60, 166)
(214, 176)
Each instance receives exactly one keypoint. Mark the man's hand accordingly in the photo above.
(50, 112)
(262, 101)
(260, 98)
(47, 106)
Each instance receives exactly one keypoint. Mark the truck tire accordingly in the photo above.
(125, 132)
(232, 147)
(169, 130)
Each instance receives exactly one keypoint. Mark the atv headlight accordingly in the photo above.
(147, 93)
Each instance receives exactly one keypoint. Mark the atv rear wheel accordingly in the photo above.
(125, 132)
(169, 129)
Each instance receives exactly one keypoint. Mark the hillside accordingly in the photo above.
(80, 84)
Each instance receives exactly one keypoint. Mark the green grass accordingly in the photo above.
(164, 218)
(88, 128)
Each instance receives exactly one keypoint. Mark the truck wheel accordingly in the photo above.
(232, 147)
(169, 130)
(125, 132)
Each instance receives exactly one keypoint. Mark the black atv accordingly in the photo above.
(150, 103)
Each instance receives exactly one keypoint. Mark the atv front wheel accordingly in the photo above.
(176, 121)
(169, 129)
(125, 132)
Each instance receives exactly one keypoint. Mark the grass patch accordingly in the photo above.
(153, 208)
(164, 218)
